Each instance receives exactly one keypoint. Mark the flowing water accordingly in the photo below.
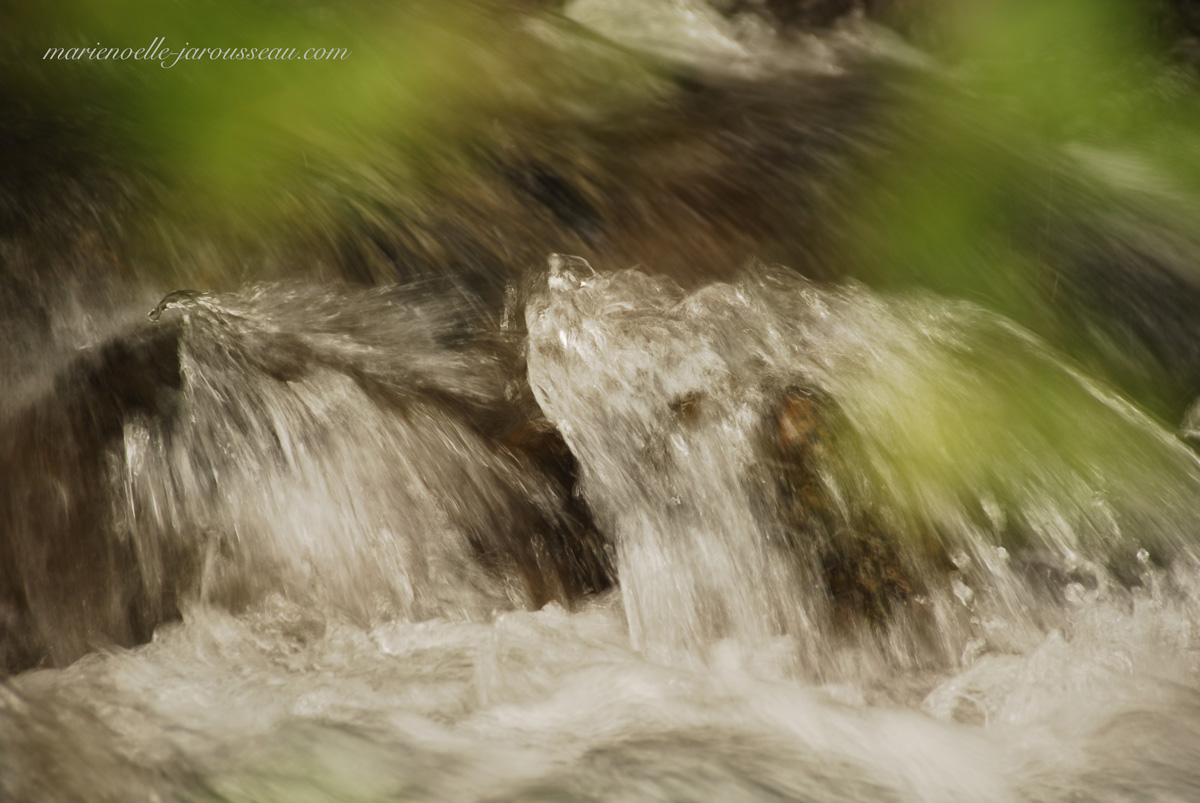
(751, 539)
(983, 587)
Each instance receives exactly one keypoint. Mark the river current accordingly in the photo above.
(751, 538)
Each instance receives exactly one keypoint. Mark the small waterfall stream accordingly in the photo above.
(865, 547)
(387, 508)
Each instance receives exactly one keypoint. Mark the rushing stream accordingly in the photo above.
(625, 535)
(868, 547)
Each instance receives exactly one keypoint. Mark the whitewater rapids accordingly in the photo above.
(1044, 650)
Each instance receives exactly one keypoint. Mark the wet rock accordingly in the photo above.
(169, 464)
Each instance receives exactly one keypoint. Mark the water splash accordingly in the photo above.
(773, 457)
(314, 471)
(354, 450)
